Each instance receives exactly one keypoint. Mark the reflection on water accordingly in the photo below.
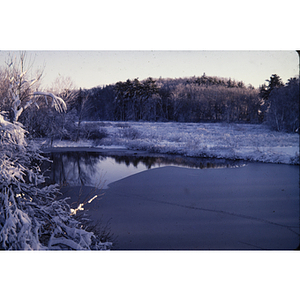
(98, 170)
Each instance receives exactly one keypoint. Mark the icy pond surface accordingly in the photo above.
(157, 202)
(100, 169)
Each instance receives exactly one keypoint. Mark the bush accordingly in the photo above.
(130, 133)
(31, 217)
(96, 134)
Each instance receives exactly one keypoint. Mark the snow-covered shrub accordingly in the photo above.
(97, 134)
(92, 132)
(130, 133)
(31, 216)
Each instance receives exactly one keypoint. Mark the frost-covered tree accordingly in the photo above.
(22, 92)
(31, 216)
(283, 110)
(265, 90)
(77, 104)
(193, 99)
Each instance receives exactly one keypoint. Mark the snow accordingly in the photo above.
(219, 140)
(57, 102)
(27, 210)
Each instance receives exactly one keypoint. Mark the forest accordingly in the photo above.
(195, 99)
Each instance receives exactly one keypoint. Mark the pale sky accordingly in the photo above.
(88, 69)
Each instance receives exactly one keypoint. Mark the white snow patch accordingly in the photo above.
(233, 141)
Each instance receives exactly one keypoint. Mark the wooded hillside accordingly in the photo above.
(195, 99)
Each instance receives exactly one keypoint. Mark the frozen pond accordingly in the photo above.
(174, 203)
(100, 169)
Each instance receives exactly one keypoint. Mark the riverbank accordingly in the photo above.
(251, 142)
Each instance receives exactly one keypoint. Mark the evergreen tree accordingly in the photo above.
(265, 91)
(283, 110)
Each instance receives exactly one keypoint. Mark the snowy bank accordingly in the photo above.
(218, 140)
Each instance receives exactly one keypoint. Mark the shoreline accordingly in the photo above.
(249, 142)
(114, 151)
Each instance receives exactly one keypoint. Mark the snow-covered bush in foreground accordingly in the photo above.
(30, 216)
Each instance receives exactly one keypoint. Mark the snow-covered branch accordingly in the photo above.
(17, 108)
(57, 102)
(31, 217)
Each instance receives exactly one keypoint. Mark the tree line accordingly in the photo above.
(197, 99)
(194, 99)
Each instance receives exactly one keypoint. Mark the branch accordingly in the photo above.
(58, 103)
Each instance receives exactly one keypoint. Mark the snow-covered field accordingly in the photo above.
(219, 140)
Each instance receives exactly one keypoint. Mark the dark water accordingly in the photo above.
(99, 170)
(156, 202)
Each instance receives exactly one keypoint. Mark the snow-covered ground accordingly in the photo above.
(219, 140)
